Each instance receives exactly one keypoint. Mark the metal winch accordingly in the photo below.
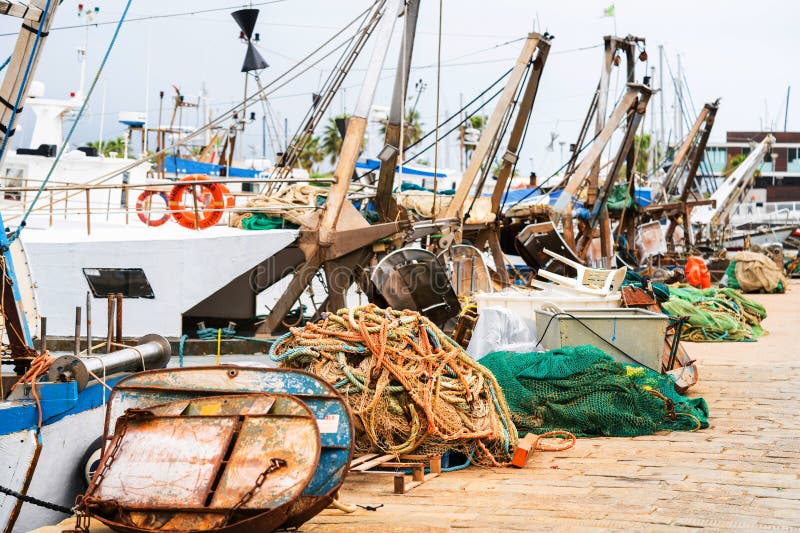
(153, 351)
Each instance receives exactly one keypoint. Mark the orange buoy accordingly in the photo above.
(229, 199)
(209, 204)
(144, 212)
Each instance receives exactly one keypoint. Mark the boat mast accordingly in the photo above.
(489, 135)
(612, 46)
(491, 234)
(36, 20)
(704, 123)
(320, 105)
(357, 126)
(385, 204)
(339, 239)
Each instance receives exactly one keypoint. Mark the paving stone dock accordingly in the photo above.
(742, 473)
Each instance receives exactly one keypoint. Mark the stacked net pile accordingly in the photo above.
(755, 272)
(409, 386)
(584, 391)
(716, 314)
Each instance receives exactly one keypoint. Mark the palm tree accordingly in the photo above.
(331, 142)
(331, 139)
(737, 160)
(642, 146)
(312, 155)
(111, 145)
(477, 122)
(412, 128)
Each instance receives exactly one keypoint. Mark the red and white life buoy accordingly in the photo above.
(144, 208)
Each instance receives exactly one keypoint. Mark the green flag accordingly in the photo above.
(609, 11)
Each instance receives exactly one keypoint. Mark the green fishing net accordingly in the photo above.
(723, 314)
(261, 221)
(619, 198)
(583, 390)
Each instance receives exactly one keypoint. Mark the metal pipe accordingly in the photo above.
(88, 323)
(77, 330)
(43, 334)
(153, 351)
(110, 322)
(119, 318)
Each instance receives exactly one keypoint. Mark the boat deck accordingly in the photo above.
(741, 473)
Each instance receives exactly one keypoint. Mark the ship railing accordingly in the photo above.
(64, 199)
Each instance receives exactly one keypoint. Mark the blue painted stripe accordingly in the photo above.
(58, 400)
(178, 165)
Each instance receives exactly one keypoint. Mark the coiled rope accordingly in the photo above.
(411, 387)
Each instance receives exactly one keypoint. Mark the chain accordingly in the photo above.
(82, 522)
(274, 464)
(35, 501)
(117, 442)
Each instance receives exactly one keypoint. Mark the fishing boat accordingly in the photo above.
(162, 236)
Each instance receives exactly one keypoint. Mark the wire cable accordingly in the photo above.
(154, 17)
(265, 91)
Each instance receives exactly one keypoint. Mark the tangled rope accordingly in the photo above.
(39, 367)
(410, 387)
(293, 203)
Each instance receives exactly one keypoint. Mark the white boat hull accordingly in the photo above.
(183, 267)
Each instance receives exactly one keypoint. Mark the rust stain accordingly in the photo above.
(228, 463)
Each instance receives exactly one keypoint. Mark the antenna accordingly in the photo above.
(246, 19)
(88, 13)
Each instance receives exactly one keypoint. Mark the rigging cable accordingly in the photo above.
(224, 116)
(75, 122)
(153, 17)
(448, 119)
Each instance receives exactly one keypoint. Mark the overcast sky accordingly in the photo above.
(740, 51)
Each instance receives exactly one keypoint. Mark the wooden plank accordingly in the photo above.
(372, 463)
(361, 458)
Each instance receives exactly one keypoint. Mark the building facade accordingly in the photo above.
(780, 172)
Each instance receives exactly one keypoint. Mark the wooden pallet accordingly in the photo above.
(373, 463)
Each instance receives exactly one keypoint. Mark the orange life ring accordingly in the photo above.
(230, 201)
(209, 206)
(145, 212)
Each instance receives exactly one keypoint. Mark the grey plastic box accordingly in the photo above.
(631, 336)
